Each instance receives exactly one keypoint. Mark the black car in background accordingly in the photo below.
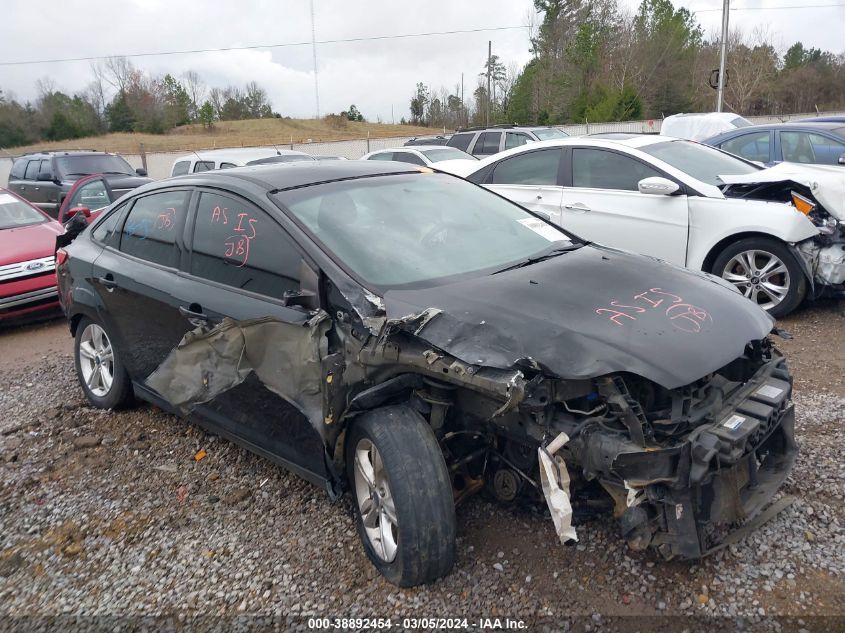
(45, 178)
(427, 140)
(413, 338)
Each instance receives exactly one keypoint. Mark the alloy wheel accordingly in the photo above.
(375, 501)
(96, 360)
(760, 276)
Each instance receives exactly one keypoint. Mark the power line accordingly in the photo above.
(792, 6)
(255, 46)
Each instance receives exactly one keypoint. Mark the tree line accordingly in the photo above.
(592, 61)
(123, 98)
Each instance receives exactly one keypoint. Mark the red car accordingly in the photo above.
(89, 195)
(27, 258)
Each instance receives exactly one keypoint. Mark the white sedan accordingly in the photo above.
(777, 234)
(423, 155)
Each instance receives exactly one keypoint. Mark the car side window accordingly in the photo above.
(227, 165)
(408, 157)
(152, 225)
(752, 146)
(45, 168)
(203, 165)
(600, 169)
(92, 195)
(237, 244)
(531, 168)
(460, 141)
(108, 230)
(18, 169)
(181, 168)
(31, 170)
(515, 139)
(382, 156)
(487, 143)
(797, 148)
(827, 150)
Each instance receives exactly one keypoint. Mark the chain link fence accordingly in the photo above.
(159, 164)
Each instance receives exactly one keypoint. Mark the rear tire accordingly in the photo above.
(765, 271)
(99, 368)
(404, 506)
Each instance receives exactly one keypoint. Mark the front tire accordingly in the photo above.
(404, 506)
(99, 368)
(764, 271)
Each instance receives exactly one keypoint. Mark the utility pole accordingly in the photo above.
(314, 54)
(489, 56)
(724, 53)
(463, 110)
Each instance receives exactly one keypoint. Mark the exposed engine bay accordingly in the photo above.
(678, 468)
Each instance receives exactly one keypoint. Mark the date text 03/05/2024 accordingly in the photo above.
(489, 624)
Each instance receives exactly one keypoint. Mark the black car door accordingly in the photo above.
(138, 282)
(241, 263)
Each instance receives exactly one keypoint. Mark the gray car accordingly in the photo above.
(483, 141)
(45, 178)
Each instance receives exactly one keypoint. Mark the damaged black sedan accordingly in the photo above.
(413, 338)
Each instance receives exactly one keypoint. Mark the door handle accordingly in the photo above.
(539, 196)
(38, 188)
(193, 312)
(107, 282)
(578, 206)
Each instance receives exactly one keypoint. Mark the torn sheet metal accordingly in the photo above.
(554, 479)
(825, 182)
(284, 356)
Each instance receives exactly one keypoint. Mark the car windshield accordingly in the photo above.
(93, 164)
(409, 230)
(445, 153)
(15, 213)
(549, 133)
(699, 161)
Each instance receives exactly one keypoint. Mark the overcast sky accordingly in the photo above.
(378, 76)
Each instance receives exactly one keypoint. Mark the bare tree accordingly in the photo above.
(196, 89)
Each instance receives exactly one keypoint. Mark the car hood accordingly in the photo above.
(586, 313)
(28, 242)
(826, 182)
(118, 181)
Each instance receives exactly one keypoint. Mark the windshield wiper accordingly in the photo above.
(122, 173)
(558, 250)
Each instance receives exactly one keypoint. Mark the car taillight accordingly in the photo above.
(61, 257)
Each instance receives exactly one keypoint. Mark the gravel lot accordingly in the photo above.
(110, 513)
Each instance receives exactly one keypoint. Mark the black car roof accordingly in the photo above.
(279, 176)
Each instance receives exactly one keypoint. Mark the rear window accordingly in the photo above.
(180, 168)
(444, 153)
(460, 141)
(203, 165)
(18, 169)
(549, 133)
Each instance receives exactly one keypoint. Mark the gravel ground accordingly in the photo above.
(105, 513)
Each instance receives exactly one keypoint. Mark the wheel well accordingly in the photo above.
(74, 323)
(707, 265)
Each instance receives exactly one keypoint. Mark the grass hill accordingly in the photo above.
(236, 134)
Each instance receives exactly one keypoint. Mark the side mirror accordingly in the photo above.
(44, 177)
(657, 186)
(841, 160)
(141, 171)
(85, 211)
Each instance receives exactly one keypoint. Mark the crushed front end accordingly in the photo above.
(685, 466)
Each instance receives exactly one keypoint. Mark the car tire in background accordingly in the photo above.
(99, 367)
(765, 271)
(402, 495)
